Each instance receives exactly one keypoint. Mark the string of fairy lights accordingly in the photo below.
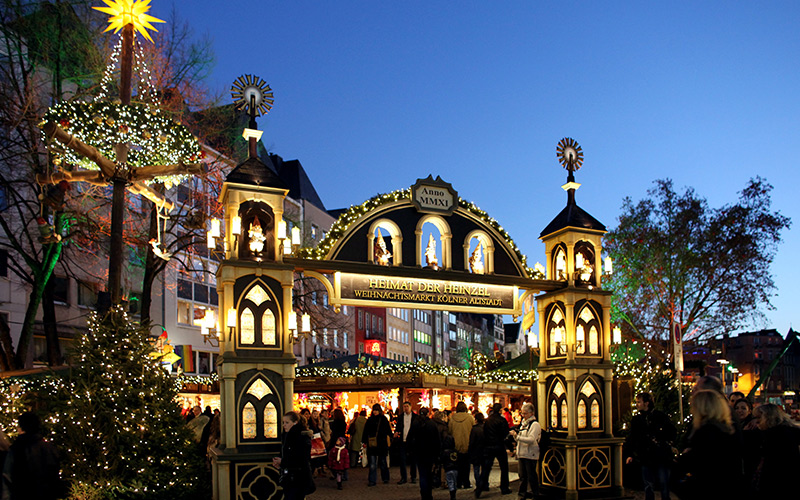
(154, 137)
(419, 368)
(356, 212)
(114, 413)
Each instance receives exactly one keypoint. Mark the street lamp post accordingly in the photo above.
(722, 363)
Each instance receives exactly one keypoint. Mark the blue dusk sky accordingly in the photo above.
(371, 95)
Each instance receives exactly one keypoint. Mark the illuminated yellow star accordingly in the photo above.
(124, 12)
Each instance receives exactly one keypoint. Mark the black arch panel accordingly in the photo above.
(353, 246)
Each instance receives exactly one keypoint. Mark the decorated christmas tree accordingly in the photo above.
(117, 419)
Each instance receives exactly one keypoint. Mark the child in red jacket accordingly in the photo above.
(339, 460)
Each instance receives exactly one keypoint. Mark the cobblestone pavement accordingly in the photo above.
(356, 487)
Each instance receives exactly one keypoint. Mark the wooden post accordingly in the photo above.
(119, 181)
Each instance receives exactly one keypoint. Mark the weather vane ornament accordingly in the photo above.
(570, 155)
(253, 95)
(133, 12)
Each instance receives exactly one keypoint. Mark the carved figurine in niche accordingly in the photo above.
(561, 265)
(430, 254)
(382, 254)
(257, 238)
(476, 260)
(583, 267)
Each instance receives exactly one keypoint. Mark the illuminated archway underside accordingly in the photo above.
(346, 239)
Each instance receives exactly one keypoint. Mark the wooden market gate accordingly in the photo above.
(374, 255)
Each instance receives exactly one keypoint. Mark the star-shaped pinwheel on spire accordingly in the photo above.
(124, 12)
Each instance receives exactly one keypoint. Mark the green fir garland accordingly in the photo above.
(154, 138)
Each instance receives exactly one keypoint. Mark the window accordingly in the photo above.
(60, 290)
(335, 338)
(314, 298)
(87, 296)
(558, 404)
(360, 320)
(314, 231)
(259, 414)
(185, 313)
(3, 263)
(325, 336)
(588, 398)
(184, 289)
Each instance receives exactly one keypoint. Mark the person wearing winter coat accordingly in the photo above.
(440, 419)
(31, 468)
(407, 422)
(650, 443)
(495, 431)
(780, 453)
(294, 463)
(356, 432)
(339, 460)
(460, 427)
(713, 461)
(426, 447)
(476, 447)
(377, 433)
(449, 461)
(528, 451)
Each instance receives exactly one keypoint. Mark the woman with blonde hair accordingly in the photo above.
(780, 453)
(713, 461)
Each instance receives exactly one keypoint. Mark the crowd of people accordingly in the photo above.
(436, 448)
(730, 450)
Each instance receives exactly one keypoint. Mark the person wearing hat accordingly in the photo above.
(378, 434)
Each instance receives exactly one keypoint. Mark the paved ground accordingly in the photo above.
(357, 488)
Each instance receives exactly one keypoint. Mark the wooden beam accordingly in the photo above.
(94, 177)
(151, 194)
(151, 171)
(91, 176)
(107, 166)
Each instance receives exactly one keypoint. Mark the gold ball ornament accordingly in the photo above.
(110, 121)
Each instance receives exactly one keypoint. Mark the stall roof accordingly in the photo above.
(352, 361)
(521, 362)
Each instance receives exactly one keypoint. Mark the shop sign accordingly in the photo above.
(414, 293)
(434, 196)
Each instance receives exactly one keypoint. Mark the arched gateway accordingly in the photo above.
(421, 248)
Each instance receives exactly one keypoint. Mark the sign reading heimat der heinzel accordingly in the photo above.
(371, 290)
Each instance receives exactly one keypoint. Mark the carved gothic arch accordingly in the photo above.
(396, 240)
(488, 250)
(445, 240)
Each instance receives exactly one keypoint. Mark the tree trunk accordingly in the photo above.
(50, 326)
(6, 346)
(25, 336)
(150, 269)
(52, 252)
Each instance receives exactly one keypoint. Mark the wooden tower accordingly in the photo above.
(575, 369)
